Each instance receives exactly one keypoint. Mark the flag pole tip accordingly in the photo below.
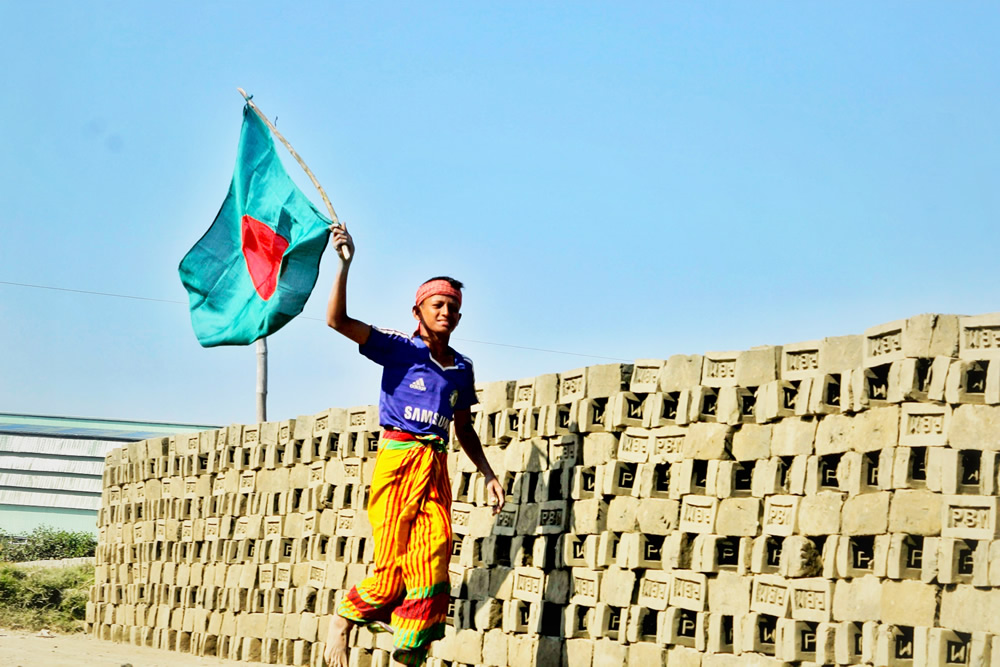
(243, 93)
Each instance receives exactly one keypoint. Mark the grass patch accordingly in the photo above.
(33, 598)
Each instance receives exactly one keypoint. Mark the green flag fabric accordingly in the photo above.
(255, 267)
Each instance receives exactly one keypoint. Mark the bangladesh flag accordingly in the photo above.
(255, 267)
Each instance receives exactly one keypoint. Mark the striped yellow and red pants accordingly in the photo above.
(410, 512)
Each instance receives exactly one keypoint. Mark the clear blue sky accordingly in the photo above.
(615, 179)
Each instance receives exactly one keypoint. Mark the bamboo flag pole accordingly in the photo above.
(344, 250)
(262, 379)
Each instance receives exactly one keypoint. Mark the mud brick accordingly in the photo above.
(723, 636)
(729, 593)
(619, 478)
(599, 448)
(362, 418)
(781, 515)
(857, 600)
(682, 627)
(608, 621)
(866, 514)
(979, 337)
(584, 586)
(970, 382)
(506, 520)
(770, 476)
(558, 419)
(638, 550)
(635, 445)
(850, 646)
(536, 391)
(751, 442)
(968, 517)
(963, 561)
(905, 557)
(820, 514)
(461, 518)
(495, 396)
(688, 477)
(799, 557)
(527, 518)
(718, 369)
(657, 516)
(713, 553)
(686, 589)
(791, 437)
(707, 441)
(666, 444)
(779, 399)
(758, 634)
(823, 394)
(989, 470)
(971, 426)
(796, 640)
(553, 485)
(660, 409)
(573, 385)
(645, 376)
(468, 647)
(770, 594)
(698, 514)
(521, 617)
(589, 415)
(861, 555)
(899, 646)
(577, 621)
(947, 647)
(621, 514)
(624, 409)
(811, 599)
(534, 455)
(565, 451)
(654, 589)
(738, 516)
(578, 550)
(800, 361)
(506, 425)
(576, 653)
(607, 549)
(494, 652)
(617, 586)
(908, 603)
(677, 551)
(553, 517)
(640, 632)
(529, 584)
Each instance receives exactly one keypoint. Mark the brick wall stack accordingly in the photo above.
(831, 501)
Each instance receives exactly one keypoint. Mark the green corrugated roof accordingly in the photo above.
(98, 429)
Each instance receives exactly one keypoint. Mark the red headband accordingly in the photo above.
(435, 287)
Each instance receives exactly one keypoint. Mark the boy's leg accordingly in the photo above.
(420, 618)
(399, 483)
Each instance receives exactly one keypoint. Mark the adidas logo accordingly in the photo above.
(418, 384)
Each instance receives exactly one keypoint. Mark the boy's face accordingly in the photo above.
(438, 314)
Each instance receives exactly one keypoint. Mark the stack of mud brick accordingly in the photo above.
(826, 502)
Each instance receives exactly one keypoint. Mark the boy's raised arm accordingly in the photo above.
(336, 308)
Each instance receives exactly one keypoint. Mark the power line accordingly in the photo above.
(306, 317)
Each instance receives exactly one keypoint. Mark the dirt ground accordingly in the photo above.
(24, 649)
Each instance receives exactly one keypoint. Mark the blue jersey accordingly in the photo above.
(418, 395)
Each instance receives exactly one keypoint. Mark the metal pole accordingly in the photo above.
(262, 379)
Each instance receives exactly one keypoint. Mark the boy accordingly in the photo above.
(425, 386)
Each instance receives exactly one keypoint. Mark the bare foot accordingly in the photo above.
(335, 653)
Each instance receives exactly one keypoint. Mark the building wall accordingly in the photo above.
(51, 468)
(50, 481)
(825, 502)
